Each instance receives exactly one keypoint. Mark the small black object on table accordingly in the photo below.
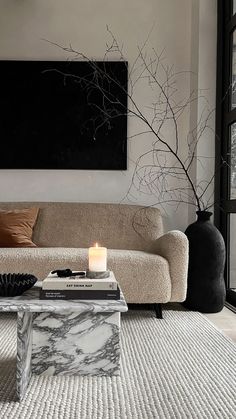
(12, 284)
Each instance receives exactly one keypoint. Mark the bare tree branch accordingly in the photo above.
(163, 170)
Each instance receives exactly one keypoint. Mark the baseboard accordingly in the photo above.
(230, 307)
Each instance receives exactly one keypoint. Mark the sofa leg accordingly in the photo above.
(158, 310)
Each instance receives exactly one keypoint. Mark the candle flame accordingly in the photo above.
(96, 244)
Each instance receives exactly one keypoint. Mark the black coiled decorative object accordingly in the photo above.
(12, 285)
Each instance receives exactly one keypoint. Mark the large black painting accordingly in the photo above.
(55, 115)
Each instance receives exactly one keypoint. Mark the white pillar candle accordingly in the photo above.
(97, 258)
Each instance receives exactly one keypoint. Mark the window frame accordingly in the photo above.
(225, 117)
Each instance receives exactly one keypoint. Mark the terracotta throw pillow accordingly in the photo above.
(16, 227)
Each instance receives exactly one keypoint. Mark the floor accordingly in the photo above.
(225, 321)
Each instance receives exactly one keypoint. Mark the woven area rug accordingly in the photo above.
(178, 367)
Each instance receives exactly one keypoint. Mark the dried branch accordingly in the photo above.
(157, 171)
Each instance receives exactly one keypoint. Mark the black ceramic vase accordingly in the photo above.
(206, 286)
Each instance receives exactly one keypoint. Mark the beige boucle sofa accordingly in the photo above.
(150, 267)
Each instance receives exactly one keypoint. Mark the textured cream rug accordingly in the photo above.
(178, 367)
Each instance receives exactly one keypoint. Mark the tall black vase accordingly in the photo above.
(206, 286)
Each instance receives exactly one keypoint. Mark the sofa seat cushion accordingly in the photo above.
(144, 277)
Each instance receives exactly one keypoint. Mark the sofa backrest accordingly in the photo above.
(114, 226)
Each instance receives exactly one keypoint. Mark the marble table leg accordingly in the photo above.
(73, 343)
(24, 347)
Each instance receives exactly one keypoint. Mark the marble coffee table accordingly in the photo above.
(56, 337)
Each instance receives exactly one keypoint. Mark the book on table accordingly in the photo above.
(80, 287)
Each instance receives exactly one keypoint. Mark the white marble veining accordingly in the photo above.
(65, 337)
(76, 343)
(24, 347)
(30, 302)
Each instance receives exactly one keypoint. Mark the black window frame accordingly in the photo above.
(225, 116)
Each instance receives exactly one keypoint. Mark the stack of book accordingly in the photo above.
(79, 288)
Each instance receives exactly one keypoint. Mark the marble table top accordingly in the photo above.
(30, 302)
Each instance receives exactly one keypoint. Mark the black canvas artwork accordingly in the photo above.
(53, 115)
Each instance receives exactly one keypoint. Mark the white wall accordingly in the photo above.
(24, 25)
(203, 80)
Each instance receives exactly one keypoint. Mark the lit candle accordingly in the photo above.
(97, 259)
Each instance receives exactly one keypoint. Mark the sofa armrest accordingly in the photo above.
(173, 246)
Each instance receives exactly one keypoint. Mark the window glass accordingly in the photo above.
(232, 251)
(233, 97)
(233, 162)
